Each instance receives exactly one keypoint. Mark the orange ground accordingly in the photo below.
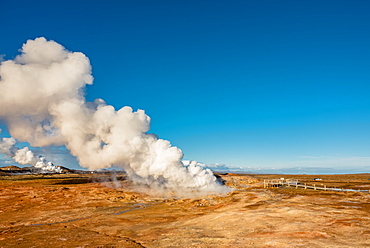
(77, 211)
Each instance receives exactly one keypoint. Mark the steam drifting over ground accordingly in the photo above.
(42, 103)
(26, 156)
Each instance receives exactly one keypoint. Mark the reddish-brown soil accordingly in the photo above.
(76, 211)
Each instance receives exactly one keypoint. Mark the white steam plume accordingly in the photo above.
(42, 102)
(45, 165)
(26, 156)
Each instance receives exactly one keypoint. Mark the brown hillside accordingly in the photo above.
(10, 167)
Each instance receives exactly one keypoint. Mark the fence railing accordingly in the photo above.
(295, 183)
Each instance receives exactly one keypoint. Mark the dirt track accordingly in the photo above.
(75, 211)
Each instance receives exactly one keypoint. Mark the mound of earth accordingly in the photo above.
(10, 167)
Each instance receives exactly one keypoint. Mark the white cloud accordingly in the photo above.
(303, 165)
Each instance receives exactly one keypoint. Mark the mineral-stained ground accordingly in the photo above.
(88, 210)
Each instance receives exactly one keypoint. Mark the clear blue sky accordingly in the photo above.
(245, 83)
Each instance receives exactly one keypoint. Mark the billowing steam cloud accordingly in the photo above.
(26, 156)
(42, 102)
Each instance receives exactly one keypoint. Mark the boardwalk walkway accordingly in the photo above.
(295, 183)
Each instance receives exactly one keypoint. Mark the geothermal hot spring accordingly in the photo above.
(42, 102)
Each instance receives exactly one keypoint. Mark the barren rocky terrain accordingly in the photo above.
(75, 210)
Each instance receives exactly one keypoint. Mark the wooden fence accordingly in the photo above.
(295, 183)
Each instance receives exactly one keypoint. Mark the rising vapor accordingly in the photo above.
(42, 102)
(26, 156)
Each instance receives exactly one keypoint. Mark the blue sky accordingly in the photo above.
(243, 83)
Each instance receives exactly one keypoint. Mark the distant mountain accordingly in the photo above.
(30, 169)
(66, 170)
(11, 167)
